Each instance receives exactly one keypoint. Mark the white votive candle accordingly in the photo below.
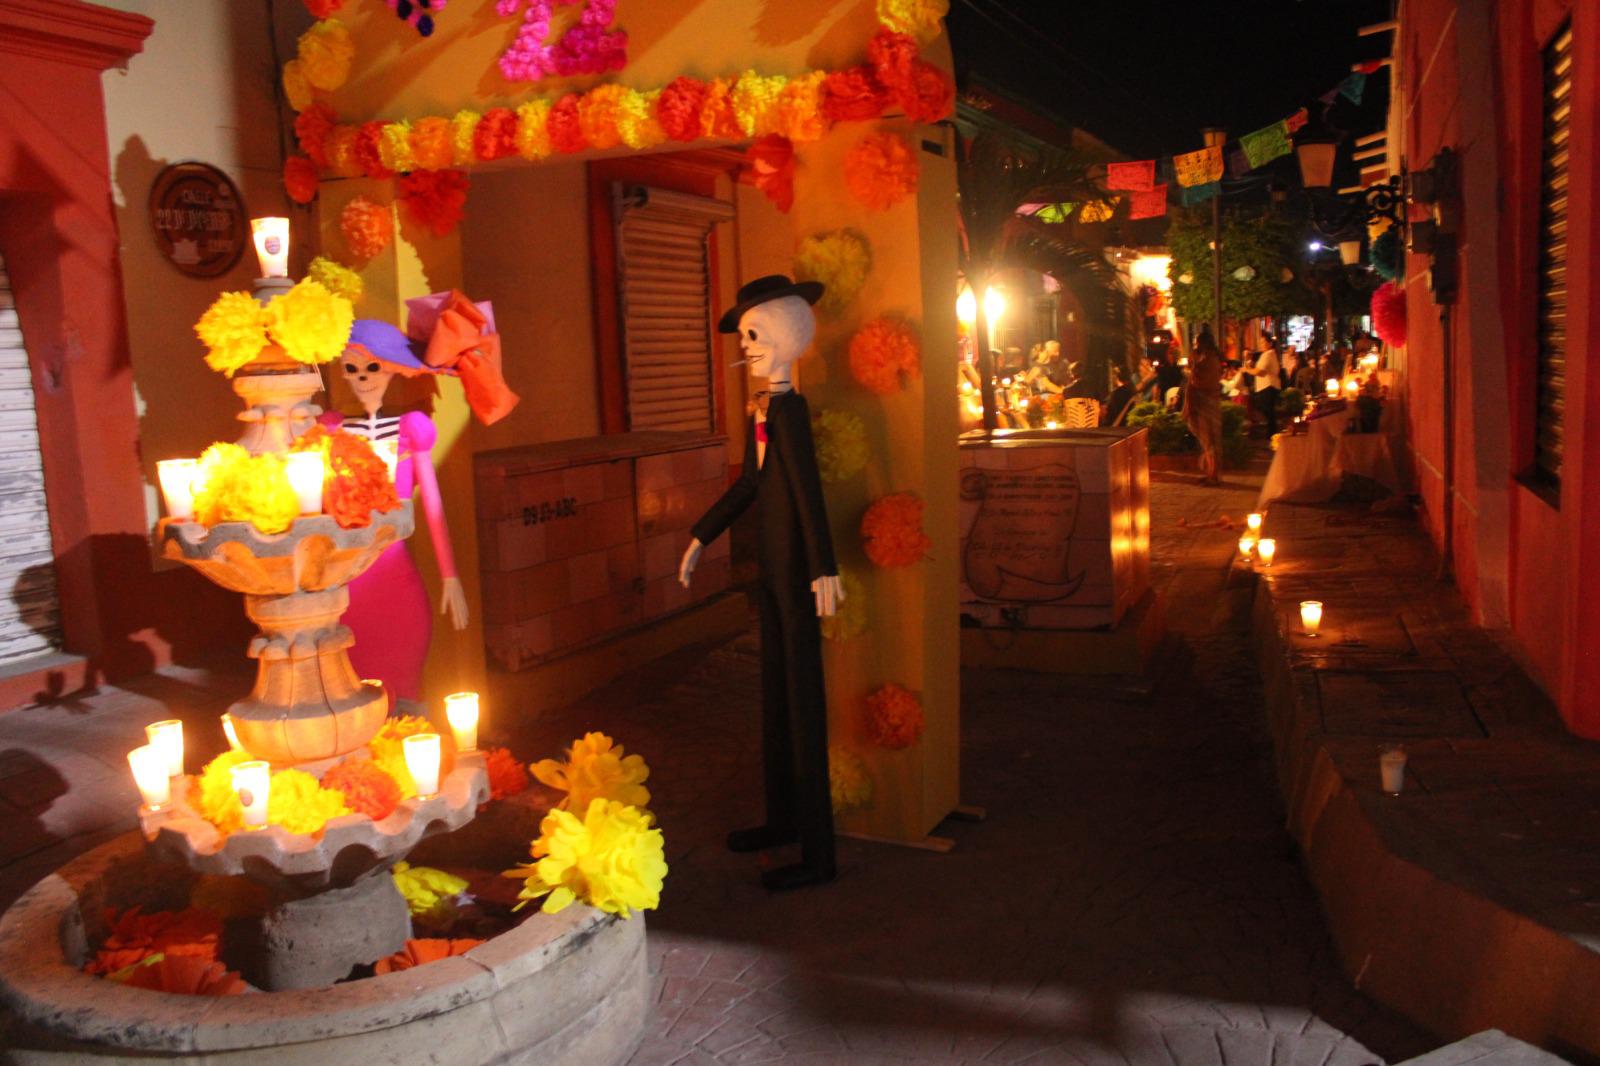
(167, 738)
(177, 487)
(1247, 544)
(1311, 616)
(461, 709)
(149, 768)
(1266, 548)
(422, 760)
(1252, 522)
(305, 471)
(252, 783)
(1392, 767)
(1332, 385)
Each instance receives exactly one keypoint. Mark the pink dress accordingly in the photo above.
(389, 612)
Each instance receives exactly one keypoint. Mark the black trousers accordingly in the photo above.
(794, 718)
(1266, 401)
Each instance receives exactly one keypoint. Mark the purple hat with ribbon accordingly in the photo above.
(375, 339)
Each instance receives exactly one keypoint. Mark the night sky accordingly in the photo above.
(1146, 75)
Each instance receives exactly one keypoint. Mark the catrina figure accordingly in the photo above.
(450, 336)
(799, 579)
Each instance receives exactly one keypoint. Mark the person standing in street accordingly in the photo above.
(1268, 376)
(1202, 409)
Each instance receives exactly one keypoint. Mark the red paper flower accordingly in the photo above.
(892, 55)
(717, 117)
(678, 108)
(134, 936)
(367, 788)
(769, 166)
(854, 95)
(187, 975)
(311, 129)
(357, 480)
(507, 774)
(321, 9)
(881, 170)
(882, 350)
(930, 95)
(435, 199)
(1389, 313)
(368, 227)
(894, 717)
(300, 179)
(891, 531)
(496, 135)
(421, 952)
(566, 131)
(368, 158)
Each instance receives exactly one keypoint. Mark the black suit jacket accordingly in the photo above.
(796, 546)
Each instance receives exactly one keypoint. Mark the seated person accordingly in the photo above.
(1114, 412)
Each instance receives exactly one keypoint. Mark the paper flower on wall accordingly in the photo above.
(850, 620)
(880, 352)
(848, 781)
(464, 136)
(565, 126)
(234, 331)
(611, 859)
(368, 227)
(326, 50)
(507, 775)
(755, 102)
(769, 166)
(800, 116)
(678, 108)
(717, 118)
(368, 150)
(881, 171)
(296, 89)
(854, 95)
(436, 200)
(300, 179)
(841, 443)
(533, 130)
(1389, 314)
(919, 18)
(395, 152)
(894, 717)
(311, 128)
(1388, 254)
(231, 485)
(420, 952)
(366, 788)
(495, 135)
(891, 531)
(589, 47)
(432, 143)
(596, 768)
(637, 124)
(924, 92)
(892, 56)
(340, 148)
(336, 278)
(841, 261)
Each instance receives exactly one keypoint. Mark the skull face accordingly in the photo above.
(368, 379)
(776, 333)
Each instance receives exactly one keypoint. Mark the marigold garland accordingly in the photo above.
(596, 767)
(463, 136)
(565, 125)
(435, 199)
(231, 485)
(394, 147)
(234, 331)
(495, 136)
(880, 352)
(299, 803)
(533, 130)
(300, 179)
(598, 110)
(366, 788)
(611, 859)
(296, 89)
(918, 18)
(368, 227)
(336, 278)
(841, 261)
(854, 95)
(369, 152)
(850, 620)
(881, 171)
(717, 117)
(326, 50)
(891, 531)
(894, 717)
(311, 128)
(421, 951)
(679, 106)
(848, 781)
(433, 143)
(800, 116)
(841, 444)
(637, 124)
(311, 324)
(755, 102)
(507, 775)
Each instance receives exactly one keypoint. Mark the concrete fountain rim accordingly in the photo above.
(193, 540)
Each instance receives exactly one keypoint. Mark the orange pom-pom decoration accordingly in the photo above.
(678, 108)
(311, 129)
(368, 227)
(368, 157)
(881, 171)
(357, 481)
(435, 199)
(880, 352)
(894, 717)
(891, 531)
(367, 789)
(892, 55)
(854, 95)
(507, 774)
(717, 116)
(930, 95)
(495, 136)
(566, 130)
(432, 143)
(300, 179)
(340, 148)
(321, 9)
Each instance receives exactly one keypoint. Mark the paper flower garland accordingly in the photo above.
(919, 18)
(300, 179)
(848, 780)
(436, 200)
(678, 108)
(881, 171)
(336, 278)
(854, 95)
(880, 352)
(366, 788)
(894, 717)
(596, 768)
(850, 620)
(326, 50)
(841, 261)
(611, 859)
(1389, 313)
(841, 444)
(589, 47)
(891, 531)
(368, 227)
(769, 166)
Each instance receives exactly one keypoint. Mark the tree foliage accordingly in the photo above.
(1266, 248)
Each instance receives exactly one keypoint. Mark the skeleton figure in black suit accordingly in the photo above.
(799, 579)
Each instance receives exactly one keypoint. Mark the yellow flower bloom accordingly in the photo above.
(425, 889)
(611, 859)
(755, 102)
(336, 278)
(800, 108)
(394, 764)
(234, 329)
(300, 804)
(636, 120)
(394, 147)
(533, 130)
(231, 485)
(919, 18)
(841, 261)
(295, 86)
(219, 804)
(850, 620)
(462, 129)
(841, 441)
(310, 323)
(326, 50)
(848, 780)
(595, 769)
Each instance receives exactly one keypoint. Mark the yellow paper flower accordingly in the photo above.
(755, 102)
(231, 485)
(850, 620)
(848, 780)
(336, 278)
(841, 441)
(533, 130)
(611, 859)
(426, 890)
(219, 804)
(394, 147)
(311, 324)
(463, 130)
(234, 330)
(800, 108)
(919, 18)
(300, 804)
(326, 50)
(296, 89)
(841, 261)
(599, 111)
(597, 768)
(636, 120)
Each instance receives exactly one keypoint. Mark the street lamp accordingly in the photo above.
(1316, 152)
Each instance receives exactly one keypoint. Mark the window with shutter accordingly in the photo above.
(664, 288)
(1552, 346)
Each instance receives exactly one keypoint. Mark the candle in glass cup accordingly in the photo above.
(461, 709)
(1392, 768)
(1311, 616)
(422, 753)
(1352, 386)
(389, 452)
(177, 487)
(1266, 548)
(149, 766)
(167, 738)
(252, 783)
(1252, 522)
(305, 471)
(1332, 386)
(1247, 544)
(271, 236)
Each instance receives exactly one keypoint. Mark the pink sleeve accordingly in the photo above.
(418, 433)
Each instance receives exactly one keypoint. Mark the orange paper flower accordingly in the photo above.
(880, 352)
(717, 118)
(894, 717)
(435, 199)
(357, 481)
(598, 112)
(891, 531)
(495, 136)
(311, 129)
(892, 55)
(854, 95)
(929, 96)
(135, 936)
(881, 171)
(678, 108)
(185, 975)
(367, 789)
(433, 143)
(340, 148)
(507, 774)
(368, 227)
(422, 952)
(300, 179)
(566, 130)
(369, 150)
(769, 166)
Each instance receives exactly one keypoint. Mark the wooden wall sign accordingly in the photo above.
(199, 219)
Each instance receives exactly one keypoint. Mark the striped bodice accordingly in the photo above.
(374, 427)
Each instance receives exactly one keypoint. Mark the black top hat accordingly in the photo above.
(763, 290)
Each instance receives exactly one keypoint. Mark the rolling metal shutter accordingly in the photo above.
(664, 287)
(30, 615)
(1552, 352)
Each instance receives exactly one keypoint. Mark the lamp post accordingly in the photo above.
(1215, 137)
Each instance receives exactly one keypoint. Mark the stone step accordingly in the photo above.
(1488, 1048)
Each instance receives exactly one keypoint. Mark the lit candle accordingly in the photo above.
(150, 774)
(1369, 361)
(422, 760)
(1392, 767)
(1247, 544)
(177, 487)
(1352, 386)
(167, 738)
(389, 452)
(1266, 548)
(305, 476)
(1253, 522)
(1311, 616)
(228, 731)
(272, 245)
(1333, 388)
(252, 783)
(461, 709)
